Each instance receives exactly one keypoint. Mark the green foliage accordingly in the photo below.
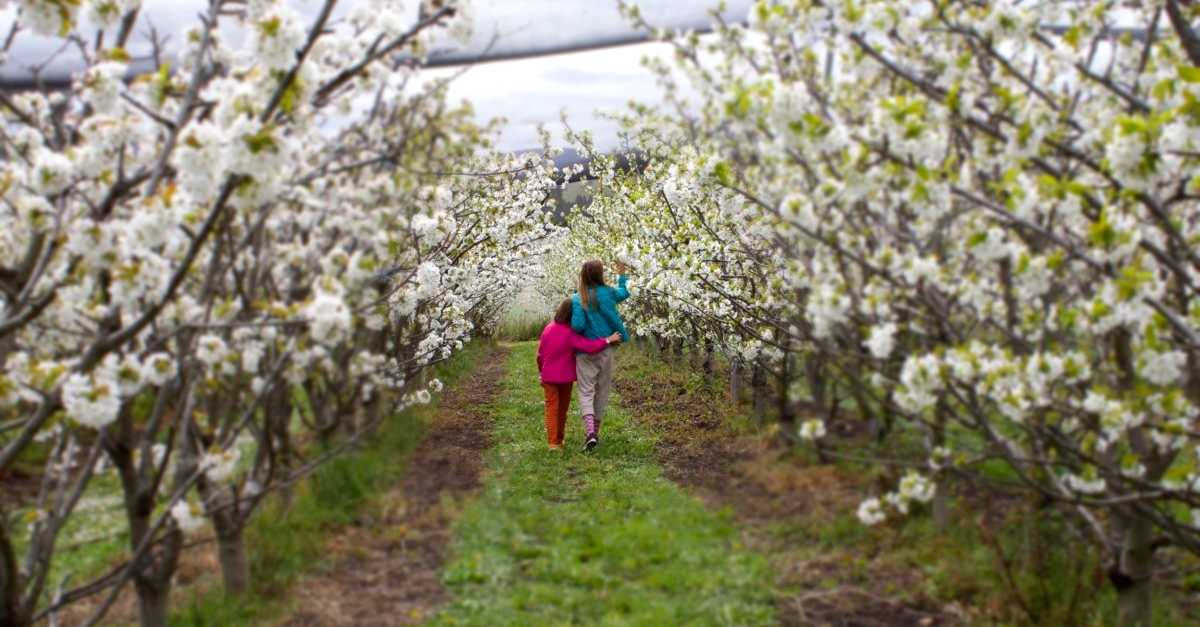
(569, 538)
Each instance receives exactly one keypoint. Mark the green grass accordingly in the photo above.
(285, 542)
(568, 538)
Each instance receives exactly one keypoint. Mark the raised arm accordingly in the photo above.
(622, 292)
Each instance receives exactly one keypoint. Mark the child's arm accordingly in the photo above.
(622, 292)
(580, 343)
(539, 356)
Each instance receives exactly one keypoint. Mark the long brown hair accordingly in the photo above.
(563, 313)
(591, 276)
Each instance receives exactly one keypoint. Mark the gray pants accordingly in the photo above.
(595, 374)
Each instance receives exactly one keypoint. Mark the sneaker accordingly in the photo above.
(591, 442)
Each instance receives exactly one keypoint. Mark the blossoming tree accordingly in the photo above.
(986, 228)
(207, 267)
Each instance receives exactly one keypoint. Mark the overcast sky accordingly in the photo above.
(529, 92)
(525, 91)
(532, 91)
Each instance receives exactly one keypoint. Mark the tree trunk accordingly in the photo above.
(155, 568)
(231, 552)
(736, 393)
(676, 349)
(940, 505)
(229, 529)
(10, 585)
(785, 417)
(154, 599)
(707, 366)
(814, 373)
(857, 392)
(1135, 586)
(758, 383)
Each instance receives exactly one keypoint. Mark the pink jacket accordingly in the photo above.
(556, 352)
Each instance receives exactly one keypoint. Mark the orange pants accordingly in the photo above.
(558, 400)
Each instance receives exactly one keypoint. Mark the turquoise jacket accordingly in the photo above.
(601, 319)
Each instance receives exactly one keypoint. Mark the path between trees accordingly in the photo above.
(662, 525)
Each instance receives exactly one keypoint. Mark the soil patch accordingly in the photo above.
(767, 492)
(387, 571)
(18, 488)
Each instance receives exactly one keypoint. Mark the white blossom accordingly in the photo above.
(92, 400)
(102, 86)
(219, 465)
(1162, 368)
(812, 429)
(870, 512)
(881, 340)
(188, 517)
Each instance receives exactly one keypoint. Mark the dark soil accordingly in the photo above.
(18, 488)
(387, 572)
(766, 490)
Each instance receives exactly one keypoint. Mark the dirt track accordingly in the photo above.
(388, 573)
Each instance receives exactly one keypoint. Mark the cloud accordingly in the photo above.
(527, 91)
(533, 91)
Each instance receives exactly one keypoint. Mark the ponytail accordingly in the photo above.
(590, 277)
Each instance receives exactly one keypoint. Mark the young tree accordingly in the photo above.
(985, 227)
(200, 270)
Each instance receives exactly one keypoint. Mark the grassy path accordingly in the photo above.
(568, 538)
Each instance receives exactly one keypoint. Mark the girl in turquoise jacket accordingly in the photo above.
(594, 314)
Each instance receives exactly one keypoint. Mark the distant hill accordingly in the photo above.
(578, 190)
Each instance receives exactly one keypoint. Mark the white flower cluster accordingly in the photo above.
(219, 465)
(189, 517)
(205, 253)
(812, 429)
(913, 487)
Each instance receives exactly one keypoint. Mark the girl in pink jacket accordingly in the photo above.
(556, 362)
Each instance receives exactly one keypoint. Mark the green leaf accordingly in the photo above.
(1189, 74)
(1164, 89)
(724, 173)
(1132, 125)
